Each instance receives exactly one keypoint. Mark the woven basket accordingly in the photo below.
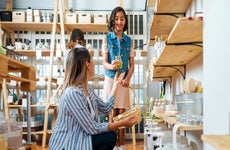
(133, 111)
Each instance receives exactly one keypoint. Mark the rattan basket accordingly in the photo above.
(133, 111)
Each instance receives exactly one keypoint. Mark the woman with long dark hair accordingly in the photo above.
(77, 126)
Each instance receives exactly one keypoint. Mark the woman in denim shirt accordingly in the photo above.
(117, 43)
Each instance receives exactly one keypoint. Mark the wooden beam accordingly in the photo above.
(9, 5)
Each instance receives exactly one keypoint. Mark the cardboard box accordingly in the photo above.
(13, 132)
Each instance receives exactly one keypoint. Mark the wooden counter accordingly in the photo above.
(220, 142)
(171, 119)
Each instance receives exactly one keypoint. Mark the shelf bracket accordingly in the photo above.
(182, 73)
(176, 67)
(198, 44)
(171, 14)
(167, 79)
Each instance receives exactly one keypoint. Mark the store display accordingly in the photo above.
(191, 84)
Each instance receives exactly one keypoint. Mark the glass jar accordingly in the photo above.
(119, 64)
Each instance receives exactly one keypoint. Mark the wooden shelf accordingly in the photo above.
(151, 3)
(28, 73)
(186, 31)
(86, 27)
(172, 121)
(221, 142)
(38, 132)
(184, 43)
(178, 54)
(53, 80)
(47, 52)
(162, 25)
(41, 26)
(165, 17)
(33, 52)
(172, 6)
(26, 26)
(163, 72)
(20, 106)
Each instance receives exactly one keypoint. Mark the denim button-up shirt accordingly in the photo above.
(118, 47)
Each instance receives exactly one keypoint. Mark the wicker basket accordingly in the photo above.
(133, 111)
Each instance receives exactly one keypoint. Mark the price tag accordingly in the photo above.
(58, 53)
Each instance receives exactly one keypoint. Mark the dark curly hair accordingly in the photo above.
(112, 18)
(77, 37)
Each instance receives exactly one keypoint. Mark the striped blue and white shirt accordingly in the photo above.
(75, 125)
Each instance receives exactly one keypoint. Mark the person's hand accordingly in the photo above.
(118, 79)
(114, 64)
(129, 121)
(125, 83)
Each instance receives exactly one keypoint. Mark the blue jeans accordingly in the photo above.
(104, 141)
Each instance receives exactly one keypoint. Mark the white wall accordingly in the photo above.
(194, 70)
(216, 67)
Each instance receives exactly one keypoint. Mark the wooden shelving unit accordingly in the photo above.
(171, 119)
(184, 43)
(11, 27)
(165, 16)
(172, 6)
(86, 27)
(28, 73)
(186, 30)
(184, 54)
(161, 73)
(220, 142)
(27, 79)
(26, 26)
(43, 26)
(162, 25)
(33, 52)
(47, 52)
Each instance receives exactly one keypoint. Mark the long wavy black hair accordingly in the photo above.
(112, 19)
(77, 37)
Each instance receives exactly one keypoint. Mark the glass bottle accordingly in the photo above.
(119, 65)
